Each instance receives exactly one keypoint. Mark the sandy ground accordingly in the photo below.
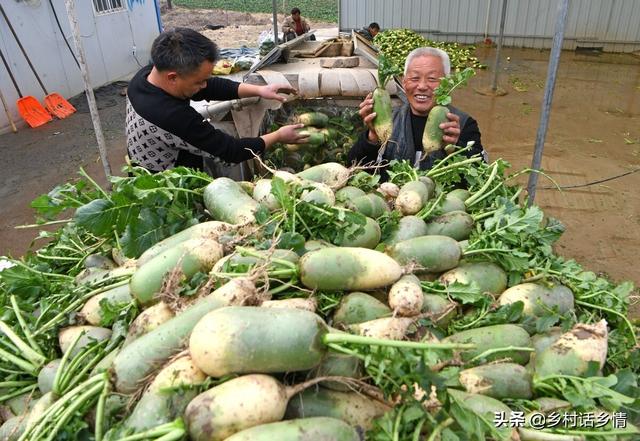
(594, 134)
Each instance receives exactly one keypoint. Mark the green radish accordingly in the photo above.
(368, 238)
(457, 225)
(316, 119)
(319, 193)
(262, 194)
(485, 407)
(308, 304)
(351, 407)
(330, 173)
(348, 193)
(143, 355)
(47, 375)
(91, 312)
(500, 380)
(313, 245)
(211, 230)
(487, 276)
(91, 275)
(303, 429)
(243, 339)
(371, 205)
(191, 256)
(337, 364)
(452, 203)
(573, 352)
(67, 336)
(538, 299)
(358, 307)
(238, 258)
(498, 342)
(405, 296)
(460, 193)
(167, 396)
(430, 184)
(432, 134)
(148, 320)
(408, 228)
(348, 269)
(430, 253)
(315, 137)
(227, 201)
(13, 429)
(412, 197)
(383, 121)
(238, 404)
(441, 310)
(543, 340)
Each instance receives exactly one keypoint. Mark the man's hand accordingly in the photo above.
(451, 129)
(368, 115)
(290, 135)
(272, 91)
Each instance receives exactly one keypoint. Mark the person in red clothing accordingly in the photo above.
(295, 25)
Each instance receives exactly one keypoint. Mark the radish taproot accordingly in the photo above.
(348, 269)
(405, 296)
(430, 253)
(456, 224)
(337, 364)
(209, 230)
(92, 312)
(238, 404)
(167, 396)
(190, 256)
(358, 307)
(412, 197)
(371, 205)
(440, 310)
(308, 304)
(303, 429)
(330, 173)
(408, 228)
(85, 334)
(389, 190)
(319, 193)
(538, 299)
(487, 276)
(369, 237)
(495, 342)
(574, 351)
(452, 203)
(499, 380)
(388, 328)
(227, 201)
(148, 320)
(262, 194)
(240, 340)
(315, 119)
(348, 193)
(353, 408)
(142, 356)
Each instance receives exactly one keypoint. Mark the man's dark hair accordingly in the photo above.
(375, 26)
(182, 50)
(295, 11)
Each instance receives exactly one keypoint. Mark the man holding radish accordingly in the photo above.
(425, 69)
(164, 131)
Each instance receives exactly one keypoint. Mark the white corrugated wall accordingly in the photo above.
(108, 41)
(613, 25)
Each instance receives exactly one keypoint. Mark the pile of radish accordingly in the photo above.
(322, 305)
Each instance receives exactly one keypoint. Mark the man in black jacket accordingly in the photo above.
(424, 68)
(164, 131)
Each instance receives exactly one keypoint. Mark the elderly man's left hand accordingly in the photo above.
(272, 91)
(451, 129)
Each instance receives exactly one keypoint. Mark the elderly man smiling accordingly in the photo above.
(422, 73)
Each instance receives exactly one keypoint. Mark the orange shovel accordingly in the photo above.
(54, 102)
(29, 108)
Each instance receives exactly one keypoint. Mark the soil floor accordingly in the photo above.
(593, 135)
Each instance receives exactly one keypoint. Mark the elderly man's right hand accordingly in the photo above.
(368, 115)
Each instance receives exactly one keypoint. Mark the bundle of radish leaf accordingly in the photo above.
(485, 317)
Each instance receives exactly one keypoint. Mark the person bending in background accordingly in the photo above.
(164, 131)
(294, 26)
(370, 31)
(423, 70)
